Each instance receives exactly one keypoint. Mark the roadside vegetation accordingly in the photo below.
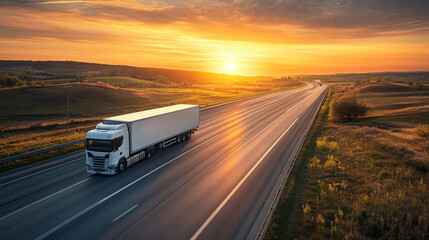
(347, 108)
(366, 178)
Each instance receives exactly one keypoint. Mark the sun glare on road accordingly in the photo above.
(230, 66)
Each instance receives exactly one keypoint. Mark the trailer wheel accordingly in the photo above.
(179, 139)
(183, 135)
(188, 135)
(148, 153)
(121, 166)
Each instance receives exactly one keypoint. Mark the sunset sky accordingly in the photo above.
(248, 37)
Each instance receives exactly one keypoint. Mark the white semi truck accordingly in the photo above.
(318, 82)
(121, 141)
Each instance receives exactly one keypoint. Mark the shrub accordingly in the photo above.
(422, 130)
(10, 81)
(347, 107)
(325, 146)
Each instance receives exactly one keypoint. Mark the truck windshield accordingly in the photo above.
(99, 145)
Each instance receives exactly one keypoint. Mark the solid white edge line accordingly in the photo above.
(40, 200)
(21, 178)
(129, 210)
(201, 229)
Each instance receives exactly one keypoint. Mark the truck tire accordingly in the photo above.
(183, 135)
(188, 135)
(121, 166)
(179, 139)
(148, 153)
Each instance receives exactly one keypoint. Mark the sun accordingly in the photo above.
(230, 66)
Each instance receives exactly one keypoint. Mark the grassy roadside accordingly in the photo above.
(367, 179)
(39, 157)
(287, 207)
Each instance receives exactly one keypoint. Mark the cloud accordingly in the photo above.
(299, 32)
(346, 14)
(355, 19)
(343, 14)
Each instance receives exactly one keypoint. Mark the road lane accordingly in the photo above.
(182, 193)
(16, 192)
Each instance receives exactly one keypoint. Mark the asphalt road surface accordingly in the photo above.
(218, 185)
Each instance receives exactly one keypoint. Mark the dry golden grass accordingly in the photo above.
(364, 180)
(379, 183)
(422, 130)
(15, 141)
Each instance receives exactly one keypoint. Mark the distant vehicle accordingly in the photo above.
(318, 82)
(119, 142)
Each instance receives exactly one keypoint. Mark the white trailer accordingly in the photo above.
(121, 141)
(318, 82)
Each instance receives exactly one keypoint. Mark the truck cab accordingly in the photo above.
(106, 146)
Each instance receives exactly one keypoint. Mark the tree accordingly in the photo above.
(347, 107)
(10, 81)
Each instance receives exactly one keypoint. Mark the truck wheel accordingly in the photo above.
(179, 139)
(148, 153)
(188, 135)
(183, 135)
(121, 166)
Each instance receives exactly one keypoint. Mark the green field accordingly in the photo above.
(395, 104)
(125, 82)
(51, 101)
(32, 103)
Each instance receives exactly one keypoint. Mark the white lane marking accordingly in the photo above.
(135, 181)
(15, 180)
(260, 105)
(121, 189)
(40, 200)
(238, 186)
(84, 157)
(129, 210)
(271, 99)
(18, 179)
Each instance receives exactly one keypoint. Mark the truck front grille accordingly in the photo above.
(99, 163)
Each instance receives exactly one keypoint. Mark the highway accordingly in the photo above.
(218, 185)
